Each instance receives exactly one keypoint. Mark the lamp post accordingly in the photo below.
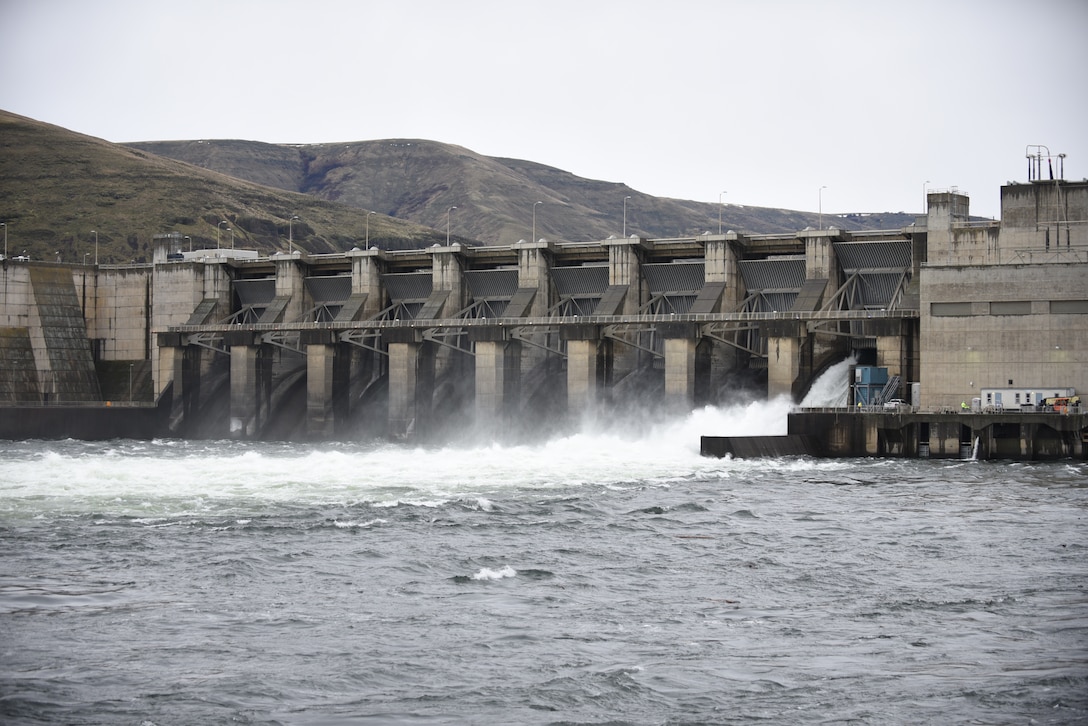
(291, 234)
(85, 256)
(368, 229)
(720, 211)
(190, 242)
(925, 197)
(231, 230)
(821, 213)
(625, 216)
(448, 225)
(95, 247)
(533, 238)
(218, 228)
(5, 226)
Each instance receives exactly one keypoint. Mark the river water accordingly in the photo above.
(599, 577)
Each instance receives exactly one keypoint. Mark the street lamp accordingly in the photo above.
(448, 225)
(85, 256)
(218, 227)
(925, 197)
(533, 238)
(291, 234)
(231, 229)
(190, 242)
(368, 229)
(95, 247)
(5, 226)
(720, 211)
(821, 223)
(625, 216)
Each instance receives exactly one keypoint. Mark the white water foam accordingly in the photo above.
(489, 574)
(173, 477)
(832, 388)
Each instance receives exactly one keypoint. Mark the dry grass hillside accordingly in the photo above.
(57, 188)
(494, 197)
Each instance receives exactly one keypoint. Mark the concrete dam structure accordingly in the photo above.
(520, 338)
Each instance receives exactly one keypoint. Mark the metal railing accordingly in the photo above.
(845, 315)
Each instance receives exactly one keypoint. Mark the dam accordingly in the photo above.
(416, 344)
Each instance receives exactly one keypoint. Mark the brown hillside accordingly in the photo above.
(420, 180)
(56, 187)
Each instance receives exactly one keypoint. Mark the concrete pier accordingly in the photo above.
(936, 435)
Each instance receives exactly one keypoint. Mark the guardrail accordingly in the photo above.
(845, 315)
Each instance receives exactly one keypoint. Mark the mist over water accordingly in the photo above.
(611, 574)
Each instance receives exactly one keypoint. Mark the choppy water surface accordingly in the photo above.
(590, 579)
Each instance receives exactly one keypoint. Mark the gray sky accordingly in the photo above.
(768, 101)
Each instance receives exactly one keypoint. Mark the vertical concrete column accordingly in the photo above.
(185, 364)
(720, 265)
(366, 278)
(534, 271)
(448, 273)
(783, 365)
(582, 380)
(890, 353)
(289, 274)
(320, 389)
(680, 372)
(245, 404)
(625, 268)
(943, 210)
(821, 262)
(497, 381)
(411, 388)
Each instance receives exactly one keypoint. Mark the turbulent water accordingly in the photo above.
(597, 578)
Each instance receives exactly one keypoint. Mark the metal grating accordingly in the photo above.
(674, 278)
(774, 302)
(492, 284)
(329, 289)
(876, 290)
(255, 292)
(777, 274)
(855, 256)
(580, 281)
(408, 286)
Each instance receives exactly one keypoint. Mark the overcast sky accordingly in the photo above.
(768, 101)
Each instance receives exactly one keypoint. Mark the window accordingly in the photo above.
(1068, 307)
(1017, 307)
(950, 309)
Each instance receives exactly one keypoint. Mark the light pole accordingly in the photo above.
(821, 223)
(85, 256)
(533, 238)
(368, 229)
(190, 242)
(448, 225)
(625, 216)
(231, 230)
(925, 197)
(95, 247)
(5, 226)
(720, 211)
(291, 234)
(219, 227)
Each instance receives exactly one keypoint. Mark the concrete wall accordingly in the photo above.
(118, 310)
(995, 326)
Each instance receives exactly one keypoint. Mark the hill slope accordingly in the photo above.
(494, 197)
(58, 187)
